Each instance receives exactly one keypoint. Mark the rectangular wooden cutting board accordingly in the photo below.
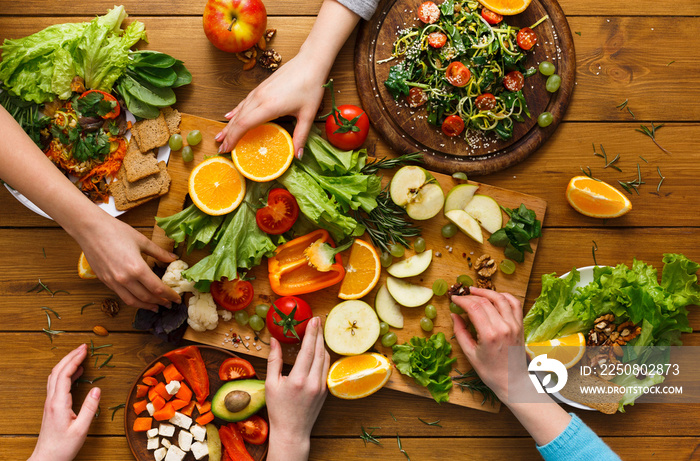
(452, 258)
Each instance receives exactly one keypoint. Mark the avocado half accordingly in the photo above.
(254, 387)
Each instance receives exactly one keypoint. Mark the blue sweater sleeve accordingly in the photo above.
(577, 442)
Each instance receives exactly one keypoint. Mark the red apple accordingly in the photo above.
(234, 25)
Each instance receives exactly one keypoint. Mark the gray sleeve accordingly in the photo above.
(363, 8)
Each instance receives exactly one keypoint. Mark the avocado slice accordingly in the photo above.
(240, 389)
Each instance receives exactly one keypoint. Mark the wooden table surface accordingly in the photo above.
(643, 51)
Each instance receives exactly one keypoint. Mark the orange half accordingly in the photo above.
(84, 269)
(216, 187)
(568, 349)
(361, 272)
(506, 7)
(358, 376)
(597, 199)
(264, 153)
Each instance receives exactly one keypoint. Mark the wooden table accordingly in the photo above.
(643, 51)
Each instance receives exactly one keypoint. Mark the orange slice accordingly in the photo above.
(362, 271)
(216, 187)
(596, 198)
(506, 7)
(264, 153)
(568, 349)
(358, 376)
(84, 269)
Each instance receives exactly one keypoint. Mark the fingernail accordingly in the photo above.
(173, 255)
(273, 344)
(95, 392)
(228, 114)
(219, 136)
(300, 153)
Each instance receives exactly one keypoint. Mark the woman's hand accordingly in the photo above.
(294, 401)
(62, 432)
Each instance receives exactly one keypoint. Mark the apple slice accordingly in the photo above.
(414, 189)
(414, 265)
(408, 294)
(485, 210)
(352, 327)
(466, 224)
(458, 197)
(387, 308)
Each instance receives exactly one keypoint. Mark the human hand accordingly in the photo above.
(62, 432)
(294, 401)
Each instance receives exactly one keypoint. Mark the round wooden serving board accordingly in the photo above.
(407, 129)
(213, 357)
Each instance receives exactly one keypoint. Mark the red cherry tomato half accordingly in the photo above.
(254, 430)
(485, 101)
(114, 113)
(429, 12)
(280, 213)
(490, 16)
(235, 368)
(437, 39)
(232, 295)
(514, 81)
(282, 328)
(416, 97)
(458, 74)
(354, 136)
(453, 126)
(526, 38)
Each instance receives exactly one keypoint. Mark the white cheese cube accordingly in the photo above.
(166, 430)
(153, 443)
(184, 439)
(152, 433)
(172, 387)
(174, 454)
(181, 420)
(166, 443)
(159, 454)
(199, 450)
(150, 408)
(198, 432)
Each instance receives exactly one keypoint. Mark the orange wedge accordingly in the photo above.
(596, 198)
(264, 153)
(506, 7)
(216, 187)
(362, 271)
(568, 349)
(84, 269)
(358, 376)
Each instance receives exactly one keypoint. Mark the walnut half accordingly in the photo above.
(270, 59)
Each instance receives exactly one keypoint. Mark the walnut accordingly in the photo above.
(270, 59)
(458, 290)
(485, 266)
(110, 306)
(484, 282)
(599, 356)
(269, 33)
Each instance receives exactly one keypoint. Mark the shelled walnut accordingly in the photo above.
(270, 59)
(606, 340)
(485, 267)
(267, 58)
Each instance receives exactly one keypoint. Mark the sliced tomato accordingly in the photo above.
(280, 214)
(458, 74)
(437, 39)
(491, 16)
(453, 126)
(235, 368)
(114, 113)
(254, 430)
(232, 295)
(416, 97)
(429, 12)
(514, 81)
(485, 101)
(526, 38)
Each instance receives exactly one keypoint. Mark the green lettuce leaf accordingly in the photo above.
(191, 224)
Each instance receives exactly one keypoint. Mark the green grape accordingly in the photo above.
(547, 68)
(426, 324)
(455, 309)
(389, 339)
(545, 119)
(396, 250)
(430, 311)
(449, 230)
(383, 328)
(261, 310)
(194, 137)
(187, 154)
(440, 287)
(507, 266)
(175, 142)
(553, 83)
(386, 259)
(256, 322)
(460, 175)
(241, 317)
(465, 280)
(419, 245)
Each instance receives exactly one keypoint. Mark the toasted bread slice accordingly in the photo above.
(605, 402)
(149, 186)
(172, 119)
(119, 193)
(138, 166)
(150, 134)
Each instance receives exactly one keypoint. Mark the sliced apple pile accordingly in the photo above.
(416, 190)
(470, 211)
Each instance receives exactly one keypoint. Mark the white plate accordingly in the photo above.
(109, 207)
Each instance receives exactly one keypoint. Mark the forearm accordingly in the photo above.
(287, 449)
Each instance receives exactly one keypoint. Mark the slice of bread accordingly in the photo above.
(138, 166)
(149, 186)
(605, 402)
(151, 133)
(172, 119)
(121, 203)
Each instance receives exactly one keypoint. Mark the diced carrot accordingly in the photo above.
(184, 393)
(203, 408)
(178, 404)
(171, 374)
(140, 406)
(142, 424)
(187, 409)
(158, 402)
(152, 393)
(160, 390)
(154, 370)
(141, 390)
(150, 381)
(164, 413)
(206, 418)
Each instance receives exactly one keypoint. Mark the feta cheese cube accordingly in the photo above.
(152, 433)
(199, 450)
(181, 420)
(166, 443)
(184, 439)
(174, 454)
(198, 432)
(153, 443)
(159, 454)
(166, 430)
(172, 387)
(150, 408)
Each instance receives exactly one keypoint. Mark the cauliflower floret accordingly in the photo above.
(174, 279)
(225, 315)
(201, 312)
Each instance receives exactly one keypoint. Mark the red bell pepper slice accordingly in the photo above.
(233, 444)
(190, 364)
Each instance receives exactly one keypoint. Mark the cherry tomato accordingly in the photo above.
(429, 12)
(287, 327)
(514, 81)
(526, 38)
(235, 368)
(453, 126)
(437, 39)
(254, 430)
(280, 213)
(458, 74)
(353, 128)
(490, 16)
(485, 101)
(114, 113)
(416, 97)
(232, 295)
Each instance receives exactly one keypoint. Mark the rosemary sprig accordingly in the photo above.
(52, 311)
(83, 308)
(116, 408)
(386, 163)
(398, 441)
(473, 383)
(368, 437)
(623, 105)
(652, 134)
(43, 250)
(631, 113)
(41, 286)
(51, 333)
(393, 417)
(645, 160)
(594, 248)
(670, 63)
(434, 423)
(662, 179)
(589, 174)
(387, 223)
(93, 348)
(633, 185)
(88, 381)
(99, 410)
(578, 33)
(104, 364)
(605, 157)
